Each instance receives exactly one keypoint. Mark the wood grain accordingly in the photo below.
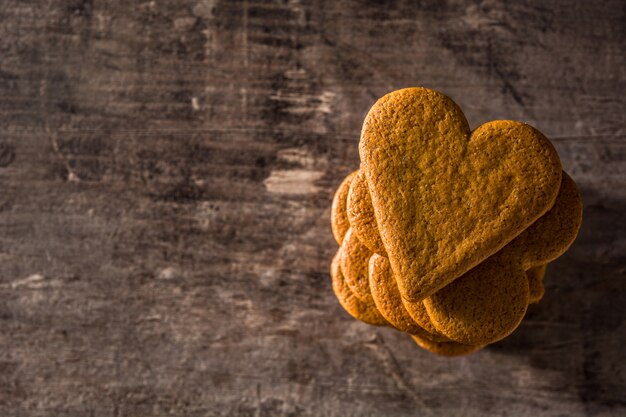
(167, 169)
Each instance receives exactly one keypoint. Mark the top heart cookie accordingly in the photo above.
(446, 198)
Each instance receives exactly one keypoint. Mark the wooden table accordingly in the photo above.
(167, 169)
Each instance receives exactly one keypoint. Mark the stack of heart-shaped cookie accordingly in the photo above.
(444, 232)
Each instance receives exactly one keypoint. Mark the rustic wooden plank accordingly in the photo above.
(167, 169)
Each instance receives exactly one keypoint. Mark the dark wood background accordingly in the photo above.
(166, 173)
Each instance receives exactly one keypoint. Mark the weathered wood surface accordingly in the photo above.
(167, 169)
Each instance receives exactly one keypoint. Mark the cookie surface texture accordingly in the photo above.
(489, 301)
(360, 310)
(338, 216)
(446, 198)
(535, 283)
(387, 297)
(353, 260)
(361, 214)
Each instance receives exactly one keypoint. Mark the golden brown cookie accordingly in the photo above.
(551, 235)
(364, 311)
(488, 302)
(388, 300)
(535, 283)
(446, 199)
(417, 311)
(338, 216)
(361, 214)
(445, 348)
(455, 226)
(483, 306)
(353, 262)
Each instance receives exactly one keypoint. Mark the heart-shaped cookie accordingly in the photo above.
(488, 302)
(446, 198)
(338, 216)
(361, 214)
(389, 302)
(535, 283)
(353, 262)
(361, 310)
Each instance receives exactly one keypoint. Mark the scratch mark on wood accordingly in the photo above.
(28, 281)
(392, 367)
